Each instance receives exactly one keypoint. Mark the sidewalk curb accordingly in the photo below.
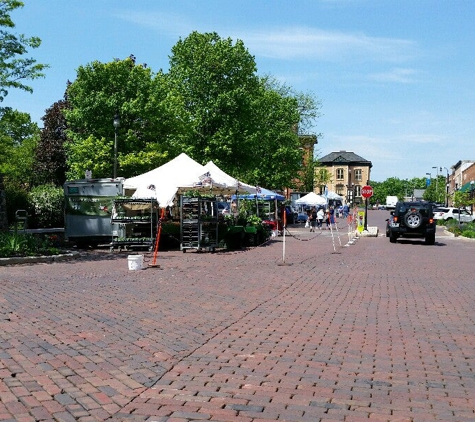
(38, 259)
(371, 232)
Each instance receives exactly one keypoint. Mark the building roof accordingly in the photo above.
(344, 157)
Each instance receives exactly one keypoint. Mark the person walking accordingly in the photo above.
(327, 217)
(332, 215)
(313, 219)
(346, 210)
(320, 217)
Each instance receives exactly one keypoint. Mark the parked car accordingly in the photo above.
(412, 219)
(388, 223)
(449, 213)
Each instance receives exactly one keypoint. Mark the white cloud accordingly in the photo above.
(399, 75)
(294, 43)
(289, 43)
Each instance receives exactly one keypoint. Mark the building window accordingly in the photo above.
(358, 175)
(340, 189)
(339, 174)
(357, 190)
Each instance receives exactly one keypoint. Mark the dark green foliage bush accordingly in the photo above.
(16, 197)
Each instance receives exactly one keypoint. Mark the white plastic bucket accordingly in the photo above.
(135, 262)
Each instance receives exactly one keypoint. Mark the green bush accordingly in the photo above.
(469, 233)
(464, 229)
(22, 244)
(47, 206)
(468, 230)
(16, 197)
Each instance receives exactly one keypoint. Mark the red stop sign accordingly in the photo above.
(367, 191)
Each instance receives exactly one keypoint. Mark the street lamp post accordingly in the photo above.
(116, 126)
(350, 194)
(436, 184)
(446, 186)
(471, 193)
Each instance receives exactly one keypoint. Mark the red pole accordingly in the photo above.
(155, 252)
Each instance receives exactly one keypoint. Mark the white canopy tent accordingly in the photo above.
(225, 179)
(183, 172)
(311, 199)
(333, 195)
(163, 182)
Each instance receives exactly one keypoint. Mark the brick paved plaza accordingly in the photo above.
(376, 332)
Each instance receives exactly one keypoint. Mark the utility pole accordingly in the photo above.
(436, 184)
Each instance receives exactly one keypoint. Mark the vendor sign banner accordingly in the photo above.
(98, 206)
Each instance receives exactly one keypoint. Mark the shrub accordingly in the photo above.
(22, 244)
(468, 230)
(47, 205)
(16, 197)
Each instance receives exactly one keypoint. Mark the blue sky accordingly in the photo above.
(395, 77)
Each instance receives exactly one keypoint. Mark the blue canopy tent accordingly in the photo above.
(263, 195)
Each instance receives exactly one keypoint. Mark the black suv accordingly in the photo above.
(412, 219)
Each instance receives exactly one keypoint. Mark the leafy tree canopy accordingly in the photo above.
(18, 139)
(50, 157)
(247, 125)
(150, 121)
(211, 105)
(14, 67)
(217, 81)
(435, 192)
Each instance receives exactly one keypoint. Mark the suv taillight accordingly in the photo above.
(395, 219)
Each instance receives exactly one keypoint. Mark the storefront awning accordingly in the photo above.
(467, 187)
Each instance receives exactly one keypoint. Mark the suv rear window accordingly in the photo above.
(425, 211)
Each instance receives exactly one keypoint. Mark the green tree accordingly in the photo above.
(274, 150)
(14, 68)
(217, 81)
(392, 186)
(151, 119)
(50, 155)
(322, 178)
(247, 125)
(436, 191)
(18, 139)
(462, 199)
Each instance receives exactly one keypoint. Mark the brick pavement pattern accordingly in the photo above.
(377, 332)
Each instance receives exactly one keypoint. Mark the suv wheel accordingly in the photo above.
(430, 239)
(392, 238)
(413, 220)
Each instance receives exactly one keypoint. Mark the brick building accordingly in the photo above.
(346, 174)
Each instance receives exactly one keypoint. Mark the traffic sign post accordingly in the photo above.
(366, 193)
